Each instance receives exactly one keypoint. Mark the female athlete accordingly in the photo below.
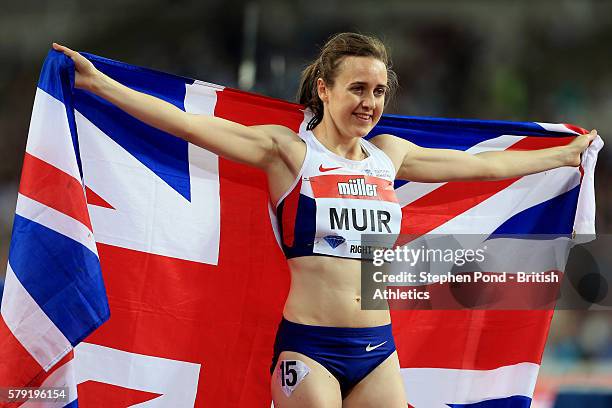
(328, 185)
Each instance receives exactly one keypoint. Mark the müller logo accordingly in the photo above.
(357, 187)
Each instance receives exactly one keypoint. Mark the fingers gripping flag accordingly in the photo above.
(195, 279)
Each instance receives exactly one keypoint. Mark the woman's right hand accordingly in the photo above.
(86, 74)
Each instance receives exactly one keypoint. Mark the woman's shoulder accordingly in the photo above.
(391, 146)
(384, 140)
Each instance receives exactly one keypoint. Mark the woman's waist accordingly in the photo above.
(327, 305)
(324, 278)
(326, 291)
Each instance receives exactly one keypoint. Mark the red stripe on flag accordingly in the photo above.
(94, 199)
(249, 109)
(535, 143)
(454, 198)
(470, 339)
(41, 181)
(446, 203)
(95, 394)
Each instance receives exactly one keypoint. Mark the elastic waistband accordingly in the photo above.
(334, 331)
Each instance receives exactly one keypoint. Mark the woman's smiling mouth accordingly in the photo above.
(363, 117)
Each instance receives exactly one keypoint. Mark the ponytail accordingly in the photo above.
(308, 94)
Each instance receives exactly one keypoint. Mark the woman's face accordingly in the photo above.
(355, 102)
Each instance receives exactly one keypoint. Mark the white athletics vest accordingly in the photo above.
(334, 200)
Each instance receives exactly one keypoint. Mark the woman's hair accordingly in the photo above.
(326, 67)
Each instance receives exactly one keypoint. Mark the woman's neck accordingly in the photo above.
(345, 146)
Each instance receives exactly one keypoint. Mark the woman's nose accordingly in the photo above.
(369, 102)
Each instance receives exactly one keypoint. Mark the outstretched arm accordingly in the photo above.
(250, 145)
(427, 165)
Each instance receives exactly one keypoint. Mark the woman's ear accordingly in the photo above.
(322, 90)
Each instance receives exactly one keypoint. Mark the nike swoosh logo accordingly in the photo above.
(370, 348)
(324, 169)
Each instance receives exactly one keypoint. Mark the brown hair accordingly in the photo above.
(326, 67)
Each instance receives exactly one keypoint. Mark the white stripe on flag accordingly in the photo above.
(30, 324)
(55, 220)
(437, 387)
(410, 192)
(487, 216)
(49, 137)
(499, 143)
(201, 97)
(556, 127)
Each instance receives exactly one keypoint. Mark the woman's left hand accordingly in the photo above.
(577, 146)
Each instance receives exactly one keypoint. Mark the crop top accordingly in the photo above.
(334, 200)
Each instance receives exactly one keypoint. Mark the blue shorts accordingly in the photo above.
(348, 353)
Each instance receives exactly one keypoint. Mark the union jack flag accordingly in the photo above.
(115, 218)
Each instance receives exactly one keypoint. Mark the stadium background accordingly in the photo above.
(505, 60)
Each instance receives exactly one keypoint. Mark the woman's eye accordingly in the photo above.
(377, 92)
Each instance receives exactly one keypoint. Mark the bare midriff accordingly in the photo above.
(326, 291)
